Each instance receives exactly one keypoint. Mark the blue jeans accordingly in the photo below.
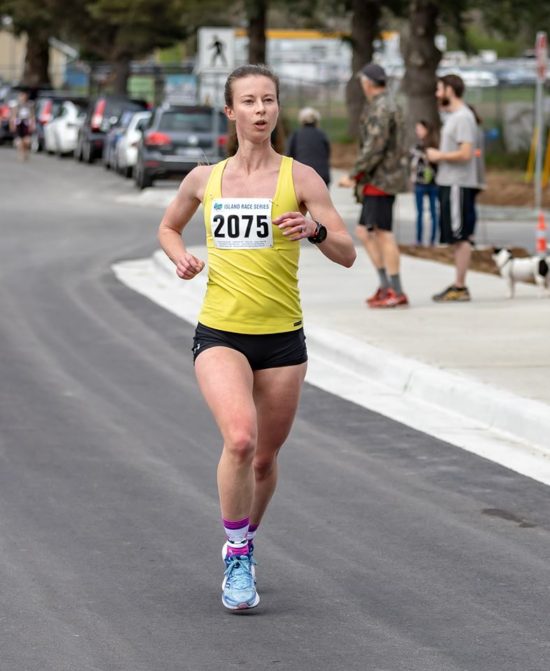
(420, 191)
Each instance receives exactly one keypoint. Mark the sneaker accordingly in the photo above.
(452, 294)
(238, 588)
(391, 300)
(379, 295)
(250, 554)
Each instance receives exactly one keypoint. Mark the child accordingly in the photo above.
(423, 177)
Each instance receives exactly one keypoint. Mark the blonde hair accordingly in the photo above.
(308, 115)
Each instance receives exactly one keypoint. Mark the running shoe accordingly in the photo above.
(377, 296)
(391, 300)
(238, 588)
(453, 294)
(250, 554)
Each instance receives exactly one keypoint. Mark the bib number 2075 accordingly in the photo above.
(242, 224)
(235, 226)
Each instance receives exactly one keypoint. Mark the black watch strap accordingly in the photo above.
(319, 235)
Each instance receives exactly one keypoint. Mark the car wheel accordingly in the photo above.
(87, 155)
(143, 179)
(78, 152)
(128, 170)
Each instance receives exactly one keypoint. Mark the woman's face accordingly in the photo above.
(421, 131)
(255, 108)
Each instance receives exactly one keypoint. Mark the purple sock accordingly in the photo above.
(236, 533)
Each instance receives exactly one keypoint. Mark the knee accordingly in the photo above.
(264, 466)
(240, 444)
(361, 232)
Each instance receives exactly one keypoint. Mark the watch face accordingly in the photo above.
(321, 236)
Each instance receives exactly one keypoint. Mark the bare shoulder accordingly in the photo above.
(194, 183)
(307, 181)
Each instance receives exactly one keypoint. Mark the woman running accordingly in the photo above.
(249, 346)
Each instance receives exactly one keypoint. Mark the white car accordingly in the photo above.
(126, 148)
(61, 133)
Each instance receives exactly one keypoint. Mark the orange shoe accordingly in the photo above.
(391, 300)
(378, 296)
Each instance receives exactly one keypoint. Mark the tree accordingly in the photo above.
(119, 31)
(36, 19)
(421, 60)
(256, 16)
(365, 26)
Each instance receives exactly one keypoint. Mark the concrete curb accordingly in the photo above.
(522, 419)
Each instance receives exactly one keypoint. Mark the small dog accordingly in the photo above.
(521, 269)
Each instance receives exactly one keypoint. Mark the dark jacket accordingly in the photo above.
(310, 145)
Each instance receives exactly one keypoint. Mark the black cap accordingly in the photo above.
(374, 72)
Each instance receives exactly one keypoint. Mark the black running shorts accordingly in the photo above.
(377, 212)
(457, 219)
(272, 350)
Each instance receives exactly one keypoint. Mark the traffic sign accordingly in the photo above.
(541, 53)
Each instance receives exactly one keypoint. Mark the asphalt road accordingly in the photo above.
(384, 549)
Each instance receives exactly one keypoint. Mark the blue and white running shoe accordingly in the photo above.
(238, 588)
(250, 554)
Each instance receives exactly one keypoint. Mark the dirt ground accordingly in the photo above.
(481, 258)
(504, 187)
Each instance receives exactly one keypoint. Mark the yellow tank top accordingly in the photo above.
(252, 267)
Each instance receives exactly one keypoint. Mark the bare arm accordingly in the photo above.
(176, 217)
(313, 194)
(464, 153)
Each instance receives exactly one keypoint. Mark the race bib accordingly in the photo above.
(241, 223)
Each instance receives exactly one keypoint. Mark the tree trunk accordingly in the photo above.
(365, 26)
(121, 74)
(421, 60)
(256, 12)
(37, 61)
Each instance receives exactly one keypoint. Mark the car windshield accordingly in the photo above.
(193, 122)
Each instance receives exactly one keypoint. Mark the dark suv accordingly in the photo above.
(102, 113)
(177, 139)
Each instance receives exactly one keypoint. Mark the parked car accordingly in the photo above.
(48, 106)
(126, 149)
(112, 139)
(102, 114)
(177, 139)
(61, 133)
(472, 76)
(8, 99)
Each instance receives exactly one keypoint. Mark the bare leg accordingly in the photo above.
(276, 394)
(389, 249)
(370, 243)
(226, 381)
(462, 254)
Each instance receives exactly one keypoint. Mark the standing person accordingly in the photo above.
(457, 180)
(378, 175)
(479, 154)
(22, 125)
(249, 346)
(310, 145)
(423, 175)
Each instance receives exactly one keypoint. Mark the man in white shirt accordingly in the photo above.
(457, 180)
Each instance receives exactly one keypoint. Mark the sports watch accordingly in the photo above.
(319, 235)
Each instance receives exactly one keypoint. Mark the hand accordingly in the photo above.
(295, 226)
(433, 155)
(346, 181)
(188, 266)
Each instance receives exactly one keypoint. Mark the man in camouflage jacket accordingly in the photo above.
(380, 172)
(382, 160)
